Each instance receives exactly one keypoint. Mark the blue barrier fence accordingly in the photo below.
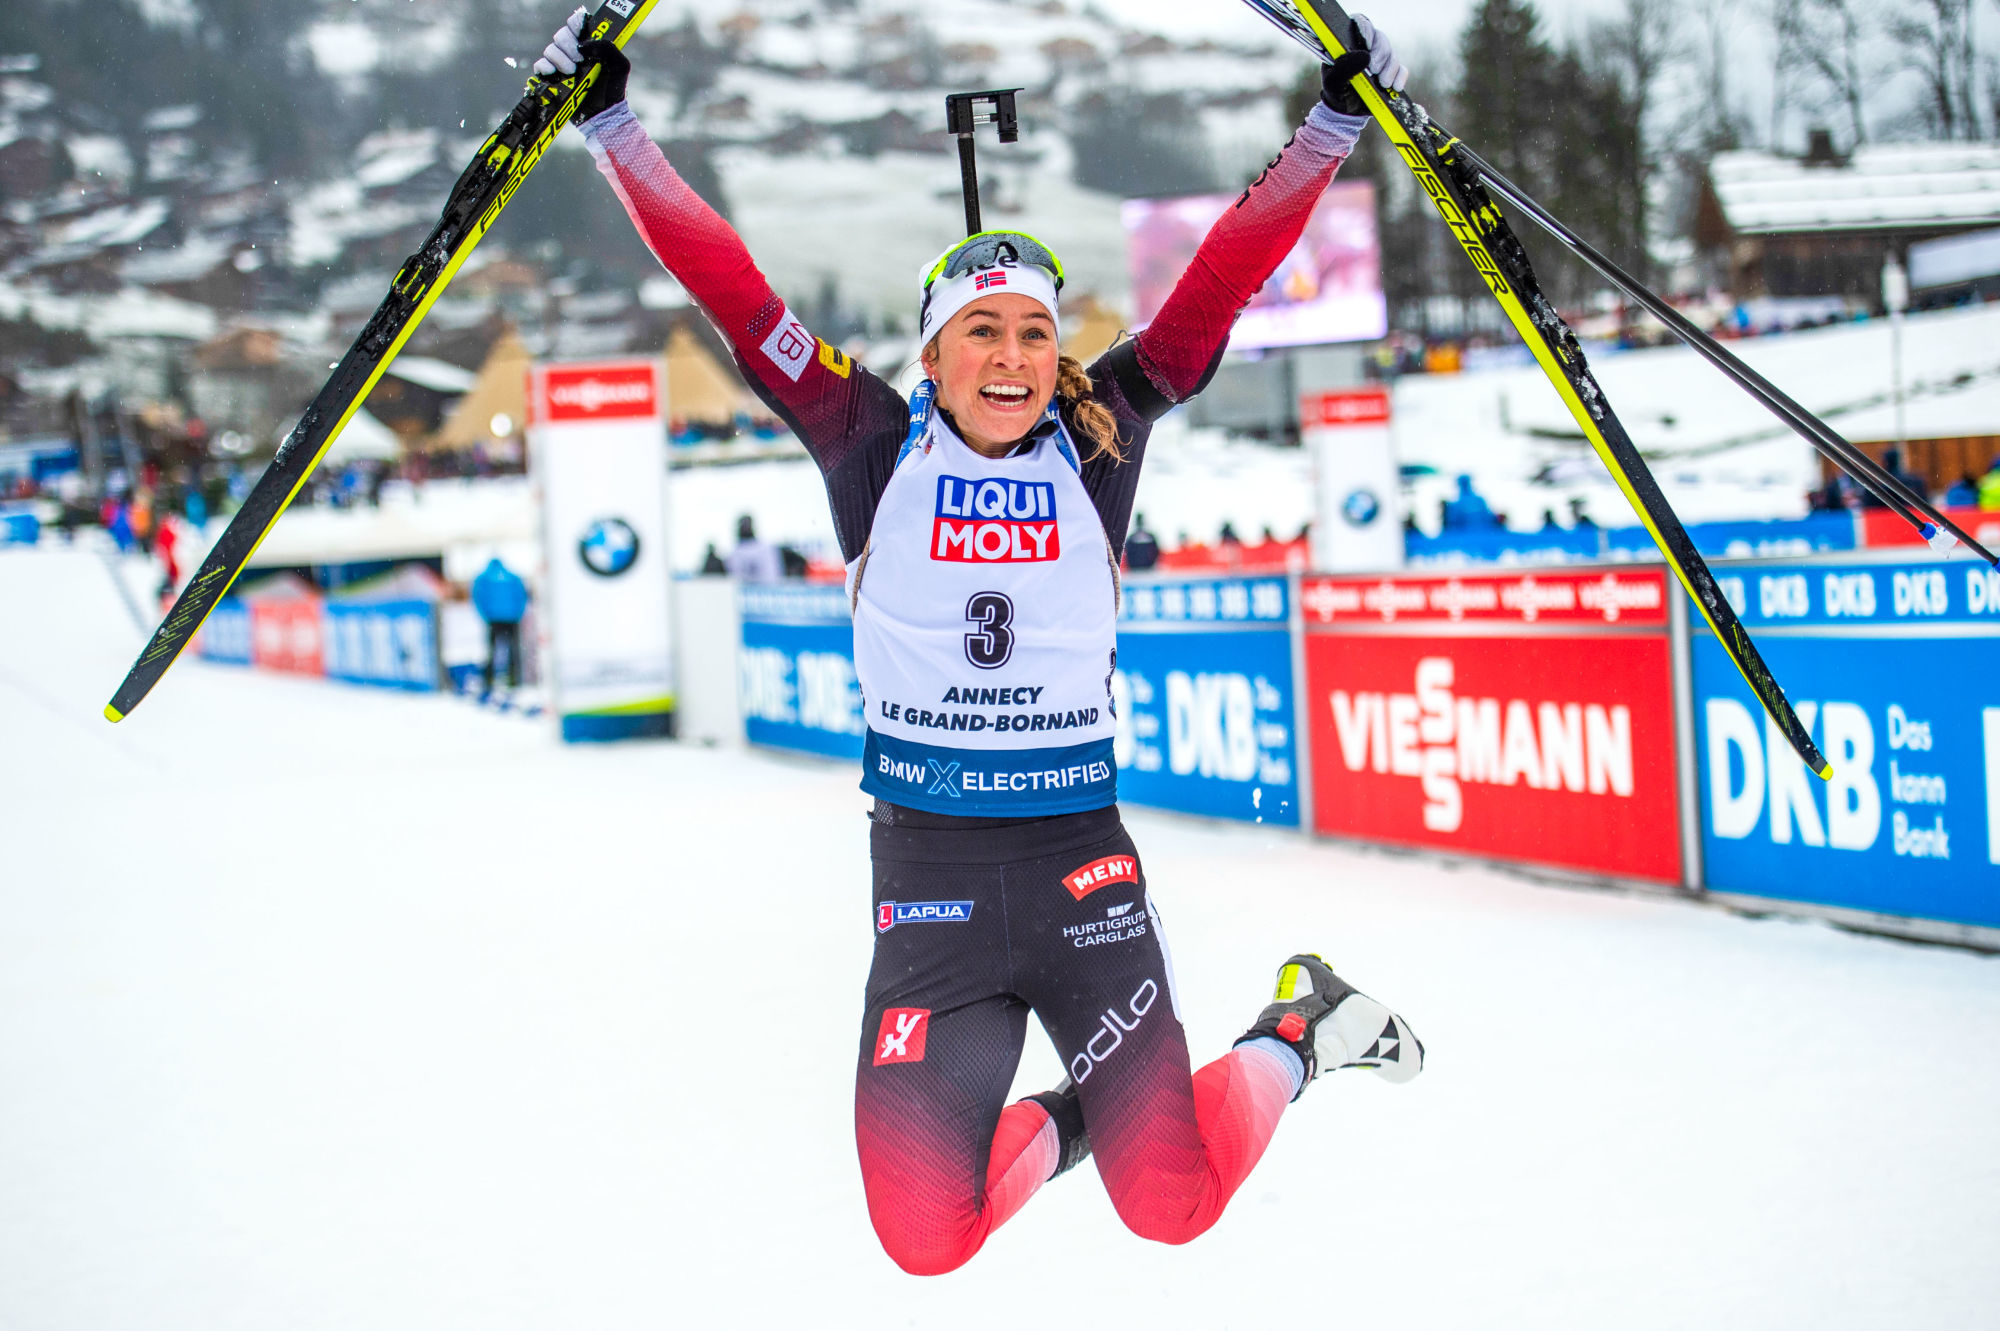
(1204, 690)
(1817, 533)
(795, 670)
(225, 634)
(393, 644)
(1891, 666)
(1206, 700)
(19, 527)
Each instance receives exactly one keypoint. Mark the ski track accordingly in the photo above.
(323, 1007)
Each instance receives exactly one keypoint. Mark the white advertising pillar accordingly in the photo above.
(1357, 509)
(597, 444)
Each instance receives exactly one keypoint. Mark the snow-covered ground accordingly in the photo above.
(323, 1007)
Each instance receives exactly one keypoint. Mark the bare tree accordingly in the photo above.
(1790, 37)
(1934, 39)
(1834, 53)
(1719, 126)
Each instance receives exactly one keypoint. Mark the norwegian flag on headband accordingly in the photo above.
(994, 278)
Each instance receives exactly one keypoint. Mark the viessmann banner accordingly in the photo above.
(1523, 717)
(1891, 666)
(1204, 698)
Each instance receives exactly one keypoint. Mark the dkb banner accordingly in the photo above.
(795, 670)
(1204, 697)
(598, 444)
(1891, 668)
(393, 644)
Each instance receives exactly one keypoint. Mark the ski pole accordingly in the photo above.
(1934, 526)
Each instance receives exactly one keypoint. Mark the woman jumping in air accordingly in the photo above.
(981, 523)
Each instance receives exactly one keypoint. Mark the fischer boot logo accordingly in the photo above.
(1112, 1030)
(902, 1036)
(1111, 869)
(1445, 740)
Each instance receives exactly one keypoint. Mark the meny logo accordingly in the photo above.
(902, 1035)
(995, 522)
(1111, 869)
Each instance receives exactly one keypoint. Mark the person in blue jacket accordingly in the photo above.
(501, 598)
(1469, 511)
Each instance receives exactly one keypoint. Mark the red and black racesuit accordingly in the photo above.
(1048, 913)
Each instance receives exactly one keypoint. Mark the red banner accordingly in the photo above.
(1879, 526)
(610, 390)
(1627, 597)
(1546, 746)
(285, 635)
(1356, 406)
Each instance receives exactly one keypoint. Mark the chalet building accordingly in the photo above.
(1821, 225)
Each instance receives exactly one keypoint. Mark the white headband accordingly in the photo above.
(947, 296)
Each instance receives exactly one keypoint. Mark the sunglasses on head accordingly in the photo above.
(991, 248)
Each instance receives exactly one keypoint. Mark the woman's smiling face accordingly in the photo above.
(995, 368)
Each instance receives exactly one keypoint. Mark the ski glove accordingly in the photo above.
(1368, 49)
(563, 54)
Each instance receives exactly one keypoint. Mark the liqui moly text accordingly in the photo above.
(995, 522)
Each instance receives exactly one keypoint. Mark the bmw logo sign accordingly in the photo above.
(1360, 508)
(609, 547)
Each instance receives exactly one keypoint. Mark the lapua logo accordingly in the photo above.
(993, 521)
(1111, 869)
(892, 913)
(901, 1038)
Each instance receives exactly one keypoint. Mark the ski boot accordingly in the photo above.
(1066, 1111)
(1330, 1024)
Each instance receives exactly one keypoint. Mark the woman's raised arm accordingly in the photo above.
(1180, 349)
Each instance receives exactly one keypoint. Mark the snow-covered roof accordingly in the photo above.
(392, 158)
(439, 376)
(1882, 186)
(189, 261)
(125, 224)
(1717, 453)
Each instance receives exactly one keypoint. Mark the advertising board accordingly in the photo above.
(1524, 717)
(285, 634)
(1880, 527)
(1890, 666)
(1812, 534)
(225, 634)
(598, 445)
(393, 644)
(795, 670)
(1357, 509)
(1328, 288)
(1205, 699)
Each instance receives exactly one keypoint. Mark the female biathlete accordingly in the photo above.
(981, 523)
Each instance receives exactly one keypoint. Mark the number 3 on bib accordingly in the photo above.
(990, 647)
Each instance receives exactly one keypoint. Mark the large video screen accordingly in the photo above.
(1328, 289)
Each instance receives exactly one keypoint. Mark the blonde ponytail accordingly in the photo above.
(1092, 418)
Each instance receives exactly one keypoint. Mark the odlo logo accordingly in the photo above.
(1113, 1028)
(901, 1039)
(995, 522)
